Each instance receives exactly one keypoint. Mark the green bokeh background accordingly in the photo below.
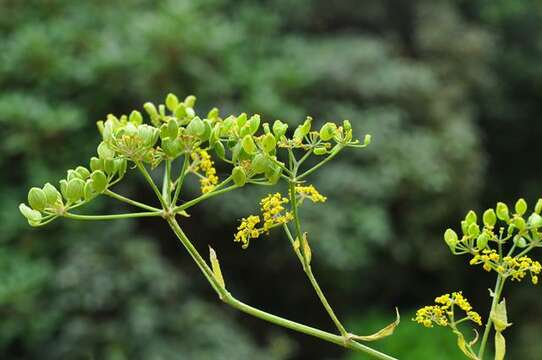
(450, 90)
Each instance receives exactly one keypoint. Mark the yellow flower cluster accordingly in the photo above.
(247, 230)
(310, 192)
(439, 314)
(431, 314)
(272, 209)
(205, 165)
(488, 257)
(273, 213)
(514, 267)
(517, 268)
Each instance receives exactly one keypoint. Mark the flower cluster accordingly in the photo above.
(204, 166)
(309, 192)
(273, 213)
(442, 314)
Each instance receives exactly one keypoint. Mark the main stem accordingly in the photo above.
(307, 267)
(499, 284)
(277, 320)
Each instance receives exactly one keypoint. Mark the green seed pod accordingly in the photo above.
(303, 130)
(519, 223)
(172, 148)
(482, 240)
(279, 129)
(120, 167)
(253, 123)
(227, 125)
(535, 221)
(346, 125)
(196, 127)
(105, 152)
(37, 198)
(148, 134)
(136, 118)
(451, 239)
(190, 101)
(96, 164)
(109, 167)
(33, 216)
(273, 173)
(208, 129)
(502, 211)
(180, 111)
(83, 172)
(241, 120)
(88, 191)
(72, 174)
(464, 227)
(239, 176)
(521, 207)
(99, 181)
(538, 206)
(520, 241)
(172, 129)
(474, 230)
(269, 143)
(63, 188)
(265, 127)
(471, 217)
(260, 163)
(171, 102)
(151, 110)
(213, 114)
(75, 190)
(367, 140)
(489, 217)
(328, 131)
(244, 131)
(248, 145)
(52, 194)
(220, 150)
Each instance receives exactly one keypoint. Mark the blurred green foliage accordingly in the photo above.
(450, 91)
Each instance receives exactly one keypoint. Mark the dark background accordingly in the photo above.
(450, 90)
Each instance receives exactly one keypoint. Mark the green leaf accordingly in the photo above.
(215, 265)
(499, 317)
(382, 333)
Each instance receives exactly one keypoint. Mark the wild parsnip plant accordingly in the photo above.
(500, 244)
(178, 143)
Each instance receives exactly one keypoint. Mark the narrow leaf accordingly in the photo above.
(382, 333)
(307, 253)
(215, 265)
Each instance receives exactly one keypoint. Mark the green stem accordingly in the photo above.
(149, 179)
(307, 267)
(113, 216)
(205, 196)
(180, 180)
(499, 284)
(308, 330)
(277, 320)
(166, 184)
(130, 201)
(334, 153)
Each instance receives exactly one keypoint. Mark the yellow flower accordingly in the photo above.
(204, 164)
(441, 313)
(311, 193)
(247, 230)
(273, 211)
(431, 314)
